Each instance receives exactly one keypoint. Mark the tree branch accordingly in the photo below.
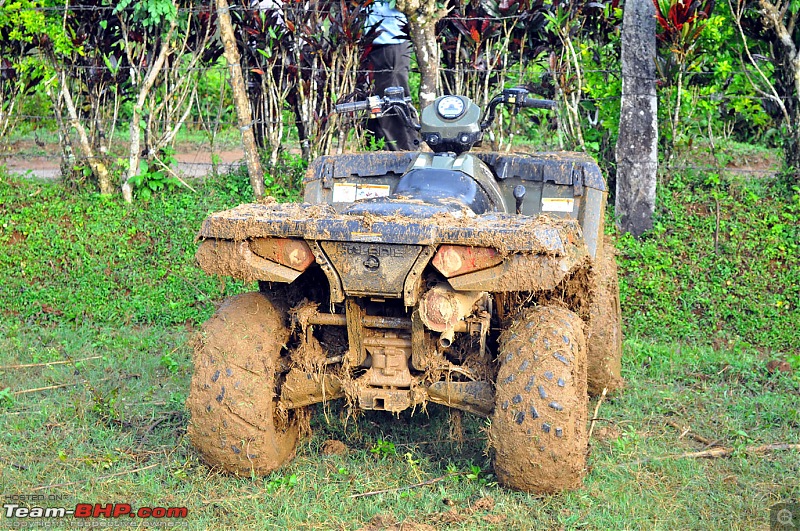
(737, 18)
(718, 452)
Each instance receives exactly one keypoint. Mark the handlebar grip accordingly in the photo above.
(352, 107)
(533, 103)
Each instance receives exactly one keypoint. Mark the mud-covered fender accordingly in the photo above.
(236, 259)
(525, 271)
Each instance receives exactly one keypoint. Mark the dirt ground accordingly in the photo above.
(43, 160)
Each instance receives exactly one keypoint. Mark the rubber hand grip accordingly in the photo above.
(533, 103)
(352, 107)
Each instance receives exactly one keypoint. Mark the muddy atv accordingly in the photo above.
(480, 281)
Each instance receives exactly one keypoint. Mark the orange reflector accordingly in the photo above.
(454, 260)
(291, 253)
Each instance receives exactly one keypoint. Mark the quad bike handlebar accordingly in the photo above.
(518, 97)
(394, 98)
(533, 103)
(457, 125)
(355, 106)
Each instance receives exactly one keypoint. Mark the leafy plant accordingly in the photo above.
(169, 363)
(375, 144)
(151, 13)
(383, 449)
(284, 179)
(6, 398)
(154, 177)
(281, 482)
(475, 473)
(680, 23)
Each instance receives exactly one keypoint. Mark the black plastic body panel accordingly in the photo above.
(563, 185)
(563, 168)
(437, 190)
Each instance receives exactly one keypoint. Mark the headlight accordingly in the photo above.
(450, 107)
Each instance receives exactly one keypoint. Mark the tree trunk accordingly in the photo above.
(144, 91)
(637, 145)
(422, 17)
(243, 111)
(782, 23)
(791, 146)
(98, 166)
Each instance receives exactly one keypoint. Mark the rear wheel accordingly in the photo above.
(538, 428)
(604, 333)
(232, 399)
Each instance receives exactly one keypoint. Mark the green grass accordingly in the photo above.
(130, 415)
(85, 257)
(744, 291)
(87, 277)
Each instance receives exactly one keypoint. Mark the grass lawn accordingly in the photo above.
(110, 292)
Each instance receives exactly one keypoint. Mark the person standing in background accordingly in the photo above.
(390, 62)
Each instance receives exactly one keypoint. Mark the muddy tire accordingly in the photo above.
(232, 396)
(604, 333)
(538, 429)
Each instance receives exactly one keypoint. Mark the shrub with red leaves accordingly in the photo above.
(681, 21)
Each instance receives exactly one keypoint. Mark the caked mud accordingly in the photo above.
(604, 333)
(504, 232)
(232, 396)
(538, 430)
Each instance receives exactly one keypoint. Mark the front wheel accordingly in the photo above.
(538, 428)
(233, 397)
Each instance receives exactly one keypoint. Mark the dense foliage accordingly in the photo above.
(297, 61)
(721, 264)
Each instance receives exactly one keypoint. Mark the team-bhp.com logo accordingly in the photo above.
(96, 510)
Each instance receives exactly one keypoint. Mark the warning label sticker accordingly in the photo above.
(557, 204)
(349, 192)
